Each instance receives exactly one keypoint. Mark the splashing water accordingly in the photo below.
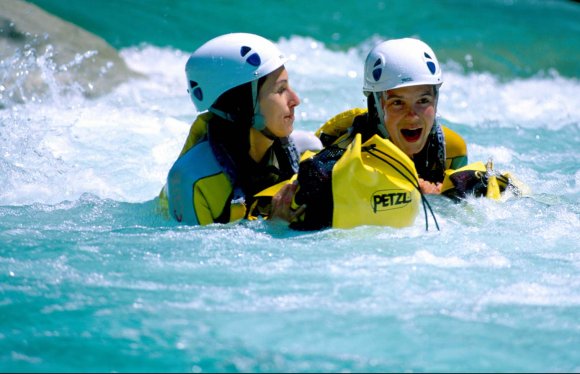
(93, 278)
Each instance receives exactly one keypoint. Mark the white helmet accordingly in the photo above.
(226, 62)
(400, 63)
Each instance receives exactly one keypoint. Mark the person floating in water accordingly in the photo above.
(402, 78)
(239, 144)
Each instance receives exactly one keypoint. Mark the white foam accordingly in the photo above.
(548, 102)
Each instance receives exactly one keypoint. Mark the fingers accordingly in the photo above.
(429, 187)
(298, 212)
(284, 196)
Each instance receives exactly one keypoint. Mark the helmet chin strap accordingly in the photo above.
(258, 120)
(381, 126)
(221, 113)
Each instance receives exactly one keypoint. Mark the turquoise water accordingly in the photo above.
(92, 279)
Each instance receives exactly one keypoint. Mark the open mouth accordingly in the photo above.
(411, 135)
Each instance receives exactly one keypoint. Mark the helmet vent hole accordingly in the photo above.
(377, 71)
(244, 50)
(198, 93)
(254, 60)
(377, 74)
(430, 64)
(432, 67)
(196, 90)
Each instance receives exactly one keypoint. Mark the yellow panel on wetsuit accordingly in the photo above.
(196, 132)
(200, 195)
(211, 196)
(455, 149)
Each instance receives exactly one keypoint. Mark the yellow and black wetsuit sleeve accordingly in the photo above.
(210, 199)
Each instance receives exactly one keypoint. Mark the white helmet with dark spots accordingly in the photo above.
(226, 62)
(400, 63)
(394, 64)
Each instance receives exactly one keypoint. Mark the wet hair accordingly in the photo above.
(373, 115)
(237, 102)
(234, 135)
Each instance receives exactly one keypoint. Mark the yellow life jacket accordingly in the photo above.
(338, 126)
(202, 196)
(202, 190)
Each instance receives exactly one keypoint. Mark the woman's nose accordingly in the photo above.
(294, 99)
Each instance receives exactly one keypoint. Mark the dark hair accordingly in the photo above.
(373, 118)
(234, 135)
(237, 102)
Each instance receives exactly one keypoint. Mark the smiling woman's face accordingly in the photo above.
(409, 116)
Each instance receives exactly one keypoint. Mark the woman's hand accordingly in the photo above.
(429, 187)
(282, 201)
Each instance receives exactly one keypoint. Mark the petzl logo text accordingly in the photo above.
(389, 199)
